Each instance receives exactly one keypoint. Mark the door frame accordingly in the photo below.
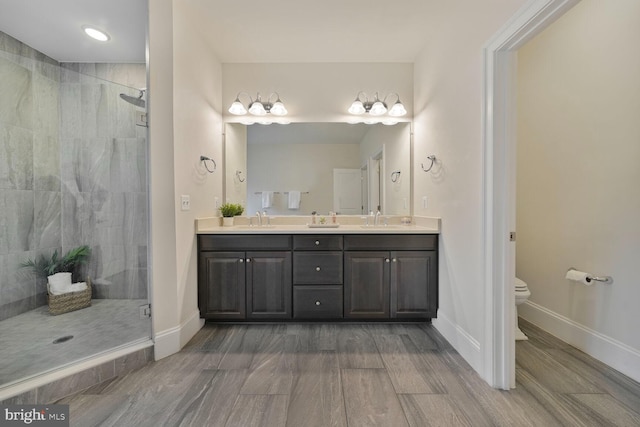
(499, 147)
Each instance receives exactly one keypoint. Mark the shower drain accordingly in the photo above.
(62, 339)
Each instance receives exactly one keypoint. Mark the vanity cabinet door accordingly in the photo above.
(221, 285)
(269, 285)
(414, 279)
(366, 284)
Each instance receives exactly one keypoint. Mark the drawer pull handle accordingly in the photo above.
(318, 303)
(317, 242)
(386, 260)
(394, 260)
(240, 260)
(248, 259)
(317, 268)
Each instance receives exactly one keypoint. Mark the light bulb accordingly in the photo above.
(257, 109)
(96, 34)
(378, 108)
(397, 110)
(278, 109)
(357, 107)
(237, 108)
(389, 122)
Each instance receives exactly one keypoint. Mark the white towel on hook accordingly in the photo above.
(267, 199)
(294, 199)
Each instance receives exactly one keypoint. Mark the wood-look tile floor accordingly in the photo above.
(355, 375)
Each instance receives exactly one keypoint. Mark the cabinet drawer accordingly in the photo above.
(317, 243)
(317, 302)
(317, 268)
(376, 242)
(226, 242)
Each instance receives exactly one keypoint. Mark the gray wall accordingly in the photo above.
(72, 172)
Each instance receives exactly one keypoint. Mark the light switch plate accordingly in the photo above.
(185, 202)
(424, 202)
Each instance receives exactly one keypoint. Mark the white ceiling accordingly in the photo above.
(247, 30)
(54, 27)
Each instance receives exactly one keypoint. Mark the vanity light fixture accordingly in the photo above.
(376, 107)
(258, 107)
(96, 34)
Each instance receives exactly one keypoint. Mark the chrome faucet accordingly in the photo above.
(376, 221)
(259, 218)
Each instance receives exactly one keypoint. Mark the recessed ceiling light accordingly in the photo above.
(94, 33)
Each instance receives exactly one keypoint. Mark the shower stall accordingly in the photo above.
(73, 172)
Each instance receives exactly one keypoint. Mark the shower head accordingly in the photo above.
(138, 102)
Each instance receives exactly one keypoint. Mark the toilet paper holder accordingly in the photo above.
(607, 280)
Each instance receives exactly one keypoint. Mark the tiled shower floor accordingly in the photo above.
(26, 340)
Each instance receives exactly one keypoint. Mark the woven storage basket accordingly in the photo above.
(59, 304)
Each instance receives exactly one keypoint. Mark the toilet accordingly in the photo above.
(522, 294)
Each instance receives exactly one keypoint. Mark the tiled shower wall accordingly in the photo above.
(72, 172)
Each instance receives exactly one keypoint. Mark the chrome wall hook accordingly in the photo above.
(395, 176)
(239, 176)
(433, 160)
(204, 159)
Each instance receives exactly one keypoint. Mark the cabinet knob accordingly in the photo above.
(317, 242)
(318, 303)
(394, 260)
(386, 260)
(248, 259)
(317, 268)
(240, 260)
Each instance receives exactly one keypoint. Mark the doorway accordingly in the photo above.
(498, 183)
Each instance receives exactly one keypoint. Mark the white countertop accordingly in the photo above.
(348, 224)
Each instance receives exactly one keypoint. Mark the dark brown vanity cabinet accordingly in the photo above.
(254, 283)
(396, 284)
(317, 277)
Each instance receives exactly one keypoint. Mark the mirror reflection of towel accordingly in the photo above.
(267, 198)
(294, 199)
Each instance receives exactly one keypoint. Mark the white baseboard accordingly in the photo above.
(171, 341)
(614, 353)
(467, 346)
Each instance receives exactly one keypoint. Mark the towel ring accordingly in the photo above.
(395, 176)
(204, 159)
(239, 176)
(433, 160)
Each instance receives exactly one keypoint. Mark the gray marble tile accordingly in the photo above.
(48, 219)
(258, 411)
(4, 243)
(77, 219)
(69, 72)
(357, 349)
(405, 376)
(370, 399)
(316, 398)
(85, 164)
(128, 165)
(16, 283)
(20, 224)
(16, 157)
(551, 373)
(431, 410)
(16, 93)
(46, 163)
(21, 399)
(95, 106)
(70, 120)
(72, 384)
(273, 368)
(209, 400)
(46, 102)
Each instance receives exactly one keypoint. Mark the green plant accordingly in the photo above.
(231, 209)
(46, 266)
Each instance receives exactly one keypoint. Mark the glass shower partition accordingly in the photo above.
(73, 172)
